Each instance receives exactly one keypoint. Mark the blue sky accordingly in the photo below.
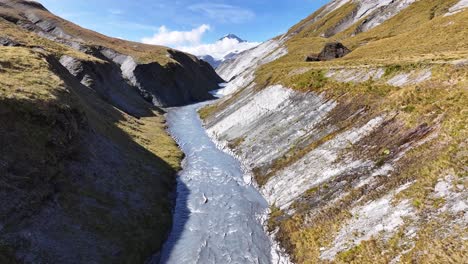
(254, 20)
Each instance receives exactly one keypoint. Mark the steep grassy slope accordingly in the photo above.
(17, 10)
(362, 158)
(418, 34)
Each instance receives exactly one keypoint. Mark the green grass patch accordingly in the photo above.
(206, 111)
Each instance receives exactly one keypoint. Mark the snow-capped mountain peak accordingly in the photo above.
(226, 48)
(232, 36)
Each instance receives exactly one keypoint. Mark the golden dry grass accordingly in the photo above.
(418, 38)
(143, 53)
(32, 40)
(419, 34)
(25, 74)
(150, 133)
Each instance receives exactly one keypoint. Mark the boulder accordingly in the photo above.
(331, 51)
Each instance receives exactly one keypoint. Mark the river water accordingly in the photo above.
(217, 213)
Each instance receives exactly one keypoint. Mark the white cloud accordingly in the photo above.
(166, 37)
(219, 49)
(223, 13)
(191, 42)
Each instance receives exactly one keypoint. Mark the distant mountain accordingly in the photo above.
(236, 46)
(215, 63)
(212, 61)
(232, 36)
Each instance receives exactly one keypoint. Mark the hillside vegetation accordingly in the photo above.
(16, 10)
(66, 162)
(419, 34)
(403, 92)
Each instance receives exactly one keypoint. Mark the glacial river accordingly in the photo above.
(217, 213)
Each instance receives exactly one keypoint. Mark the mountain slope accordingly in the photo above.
(361, 157)
(149, 68)
(77, 183)
(87, 169)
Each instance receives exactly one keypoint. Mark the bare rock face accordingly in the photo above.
(331, 51)
(106, 79)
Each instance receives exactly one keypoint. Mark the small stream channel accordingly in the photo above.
(217, 213)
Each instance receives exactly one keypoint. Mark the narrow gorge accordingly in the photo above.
(343, 140)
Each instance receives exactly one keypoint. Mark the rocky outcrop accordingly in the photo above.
(106, 79)
(459, 7)
(175, 84)
(309, 154)
(331, 51)
(375, 14)
(400, 79)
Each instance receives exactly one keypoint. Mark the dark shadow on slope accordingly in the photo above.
(106, 79)
(74, 187)
(178, 84)
(179, 200)
(181, 215)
